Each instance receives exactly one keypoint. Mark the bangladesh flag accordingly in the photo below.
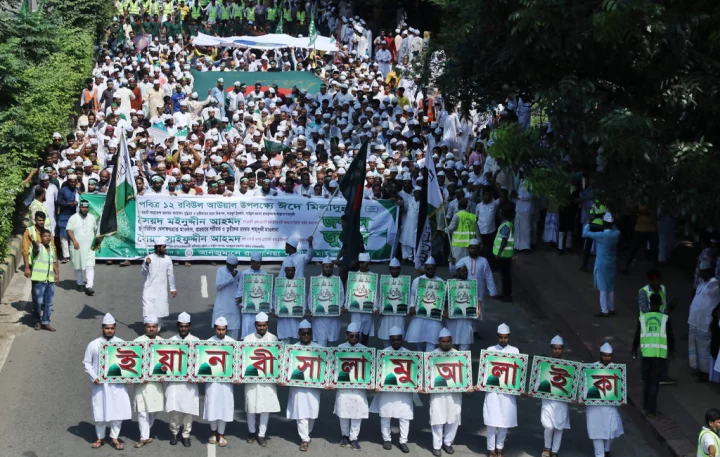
(352, 187)
(120, 191)
(276, 147)
(430, 202)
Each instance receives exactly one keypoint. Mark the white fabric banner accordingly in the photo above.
(270, 41)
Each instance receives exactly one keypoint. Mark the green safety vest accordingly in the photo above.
(653, 335)
(287, 14)
(134, 8)
(465, 230)
(204, 3)
(237, 11)
(250, 14)
(301, 16)
(43, 264)
(597, 208)
(271, 14)
(706, 431)
(648, 291)
(120, 7)
(212, 14)
(146, 4)
(225, 13)
(154, 9)
(510, 246)
(168, 7)
(195, 12)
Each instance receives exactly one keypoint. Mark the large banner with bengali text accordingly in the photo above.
(211, 227)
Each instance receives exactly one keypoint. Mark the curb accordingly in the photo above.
(662, 427)
(10, 263)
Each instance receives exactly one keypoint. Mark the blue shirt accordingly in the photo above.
(176, 99)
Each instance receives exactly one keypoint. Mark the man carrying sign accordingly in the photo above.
(366, 321)
(603, 421)
(249, 323)
(182, 400)
(554, 415)
(462, 329)
(149, 396)
(326, 329)
(110, 402)
(287, 327)
(500, 410)
(388, 323)
(351, 405)
(391, 405)
(478, 269)
(260, 399)
(423, 330)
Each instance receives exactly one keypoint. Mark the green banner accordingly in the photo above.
(260, 362)
(604, 384)
(290, 297)
(325, 295)
(168, 361)
(121, 362)
(399, 371)
(555, 379)
(448, 371)
(361, 292)
(257, 293)
(502, 372)
(307, 366)
(353, 368)
(462, 299)
(214, 361)
(394, 295)
(430, 299)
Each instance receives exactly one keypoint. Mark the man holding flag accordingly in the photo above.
(353, 189)
(430, 202)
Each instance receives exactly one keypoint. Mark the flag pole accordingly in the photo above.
(138, 216)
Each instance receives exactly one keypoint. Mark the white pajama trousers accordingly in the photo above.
(65, 247)
(89, 273)
(145, 421)
(177, 419)
(407, 252)
(553, 437)
(350, 428)
(305, 427)
(601, 447)
(218, 426)
(443, 434)
(252, 421)
(607, 301)
(101, 429)
(564, 240)
(496, 438)
(385, 429)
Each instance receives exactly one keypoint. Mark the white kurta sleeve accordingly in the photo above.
(171, 276)
(145, 270)
(88, 362)
(489, 280)
(309, 254)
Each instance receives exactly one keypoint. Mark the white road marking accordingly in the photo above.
(203, 290)
(212, 449)
(416, 400)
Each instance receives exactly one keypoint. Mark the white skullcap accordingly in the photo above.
(395, 331)
(608, 218)
(160, 240)
(606, 348)
(108, 319)
(445, 333)
(231, 259)
(326, 260)
(150, 320)
(87, 163)
(394, 262)
(293, 241)
(305, 324)
(705, 265)
(221, 322)
(256, 256)
(430, 261)
(353, 327)
(503, 329)
(461, 264)
(184, 318)
(474, 242)
(557, 340)
(363, 257)
(261, 317)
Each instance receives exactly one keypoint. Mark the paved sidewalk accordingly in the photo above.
(568, 297)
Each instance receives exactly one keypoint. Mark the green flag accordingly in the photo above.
(276, 146)
(279, 28)
(120, 191)
(312, 31)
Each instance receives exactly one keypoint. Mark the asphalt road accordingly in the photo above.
(45, 401)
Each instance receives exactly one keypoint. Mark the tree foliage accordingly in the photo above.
(630, 87)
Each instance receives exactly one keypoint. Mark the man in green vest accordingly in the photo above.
(196, 12)
(134, 7)
(44, 276)
(503, 249)
(462, 229)
(654, 336)
(272, 12)
(709, 441)
(595, 219)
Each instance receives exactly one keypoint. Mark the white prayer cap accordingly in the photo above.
(557, 340)
(232, 259)
(705, 265)
(353, 327)
(608, 218)
(108, 319)
(394, 262)
(395, 331)
(606, 348)
(445, 333)
(150, 320)
(184, 318)
(293, 241)
(256, 257)
(327, 260)
(305, 324)
(474, 242)
(415, 188)
(261, 317)
(221, 322)
(160, 240)
(503, 329)
(430, 261)
(363, 257)
(461, 263)
(87, 163)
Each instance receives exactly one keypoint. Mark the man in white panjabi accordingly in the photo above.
(388, 322)
(499, 410)
(182, 399)
(409, 228)
(248, 319)
(287, 327)
(81, 229)
(149, 396)
(462, 329)
(219, 396)
(260, 399)
(304, 402)
(554, 415)
(366, 321)
(523, 224)
(227, 281)
(422, 331)
(158, 272)
(326, 329)
(394, 405)
(351, 405)
(445, 408)
(603, 422)
(110, 401)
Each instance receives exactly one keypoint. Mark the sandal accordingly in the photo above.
(117, 445)
(142, 443)
(98, 444)
(304, 446)
(222, 442)
(212, 440)
(546, 453)
(187, 264)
